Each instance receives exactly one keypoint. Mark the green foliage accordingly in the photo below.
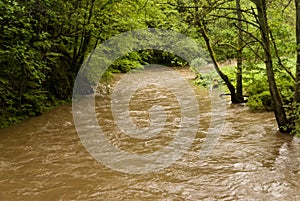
(260, 102)
(44, 44)
(22, 65)
(210, 78)
(256, 86)
(132, 60)
(293, 114)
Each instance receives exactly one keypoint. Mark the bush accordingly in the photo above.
(260, 102)
(293, 114)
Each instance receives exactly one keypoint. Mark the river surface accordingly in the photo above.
(44, 159)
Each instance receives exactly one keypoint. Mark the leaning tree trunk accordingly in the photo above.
(265, 34)
(297, 85)
(199, 23)
(224, 77)
(239, 68)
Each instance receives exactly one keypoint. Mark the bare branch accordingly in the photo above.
(250, 34)
(228, 44)
(287, 5)
(255, 52)
(236, 19)
(279, 59)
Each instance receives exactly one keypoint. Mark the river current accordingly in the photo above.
(44, 159)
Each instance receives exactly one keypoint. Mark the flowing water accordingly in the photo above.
(44, 159)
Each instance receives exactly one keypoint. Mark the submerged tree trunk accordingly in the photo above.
(297, 85)
(239, 68)
(265, 34)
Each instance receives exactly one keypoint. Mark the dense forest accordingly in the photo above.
(45, 42)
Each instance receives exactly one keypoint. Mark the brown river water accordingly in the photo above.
(44, 159)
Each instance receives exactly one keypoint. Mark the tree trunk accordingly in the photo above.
(297, 85)
(87, 35)
(239, 69)
(231, 88)
(217, 68)
(265, 34)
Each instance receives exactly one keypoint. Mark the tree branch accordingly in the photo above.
(236, 19)
(250, 34)
(228, 44)
(279, 59)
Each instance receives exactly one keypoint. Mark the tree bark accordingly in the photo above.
(297, 84)
(265, 34)
(239, 68)
(86, 35)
